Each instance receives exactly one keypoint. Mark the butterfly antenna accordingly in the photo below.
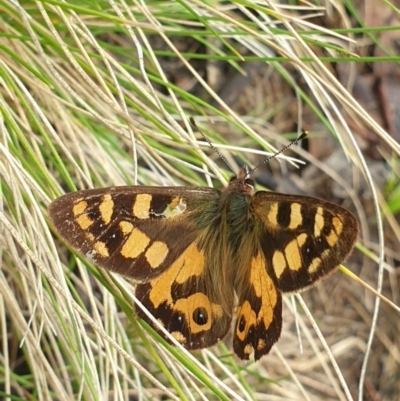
(191, 119)
(267, 160)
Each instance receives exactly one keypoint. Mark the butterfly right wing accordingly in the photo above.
(300, 240)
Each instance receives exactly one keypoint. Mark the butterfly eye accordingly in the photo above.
(233, 179)
(200, 316)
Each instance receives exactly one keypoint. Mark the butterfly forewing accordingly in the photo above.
(129, 230)
(303, 238)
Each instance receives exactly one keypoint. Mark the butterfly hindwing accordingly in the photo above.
(303, 238)
(181, 301)
(259, 312)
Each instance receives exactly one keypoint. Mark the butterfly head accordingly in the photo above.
(242, 182)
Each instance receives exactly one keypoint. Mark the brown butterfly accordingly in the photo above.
(191, 250)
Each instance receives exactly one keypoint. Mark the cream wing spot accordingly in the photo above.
(301, 239)
(332, 238)
(106, 208)
(261, 344)
(338, 225)
(179, 337)
(293, 257)
(318, 222)
(141, 207)
(248, 349)
(136, 243)
(90, 236)
(83, 221)
(101, 249)
(79, 207)
(126, 227)
(272, 216)
(325, 254)
(278, 263)
(296, 218)
(314, 265)
(156, 253)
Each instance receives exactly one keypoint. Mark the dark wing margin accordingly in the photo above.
(136, 231)
(303, 239)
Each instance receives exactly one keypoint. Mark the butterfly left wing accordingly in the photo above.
(149, 234)
(259, 312)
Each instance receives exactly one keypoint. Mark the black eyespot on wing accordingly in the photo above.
(200, 316)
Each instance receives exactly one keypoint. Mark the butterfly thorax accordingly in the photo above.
(236, 209)
(232, 219)
(228, 239)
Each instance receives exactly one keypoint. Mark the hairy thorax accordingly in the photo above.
(228, 242)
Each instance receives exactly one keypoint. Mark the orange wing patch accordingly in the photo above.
(259, 314)
(181, 302)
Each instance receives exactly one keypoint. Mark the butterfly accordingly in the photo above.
(204, 258)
